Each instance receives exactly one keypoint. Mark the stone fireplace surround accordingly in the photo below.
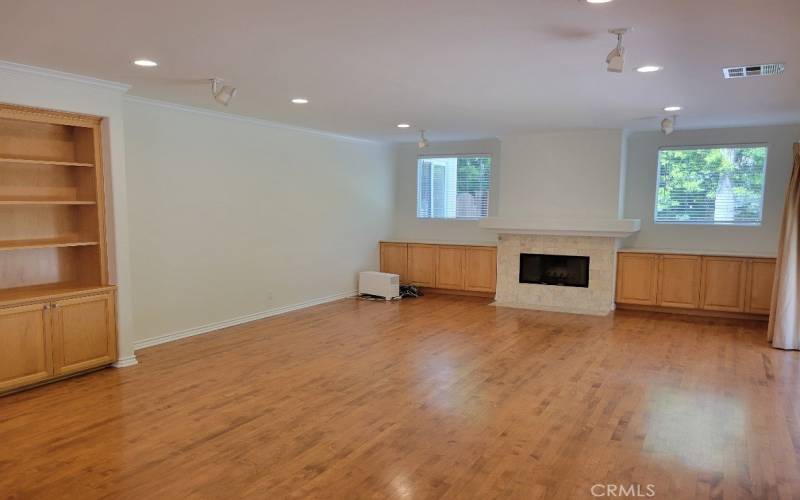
(593, 238)
(597, 299)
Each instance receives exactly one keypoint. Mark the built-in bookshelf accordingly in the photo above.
(51, 210)
(55, 297)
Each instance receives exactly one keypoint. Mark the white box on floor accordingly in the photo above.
(379, 284)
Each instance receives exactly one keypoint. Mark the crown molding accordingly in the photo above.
(61, 75)
(244, 119)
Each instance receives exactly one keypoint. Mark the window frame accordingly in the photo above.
(460, 155)
(765, 145)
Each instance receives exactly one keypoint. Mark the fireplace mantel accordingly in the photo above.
(572, 226)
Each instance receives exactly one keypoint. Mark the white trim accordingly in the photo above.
(573, 226)
(460, 155)
(244, 119)
(199, 330)
(61, 75)
(126, 361)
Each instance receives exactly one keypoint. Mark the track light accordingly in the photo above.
(668, 124)
(616, 58)
(222, 93)
(423, 142)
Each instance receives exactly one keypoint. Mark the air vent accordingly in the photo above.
(745, 71)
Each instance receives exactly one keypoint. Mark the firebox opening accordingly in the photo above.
(563, 270)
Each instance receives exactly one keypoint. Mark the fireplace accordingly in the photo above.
(562, 270)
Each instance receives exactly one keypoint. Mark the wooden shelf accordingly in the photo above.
(21, 295)
(57, 311)
(26, 161)
(44, 243)
(44, 201)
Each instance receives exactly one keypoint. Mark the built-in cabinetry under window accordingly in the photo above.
(467, 268)
(709, 283)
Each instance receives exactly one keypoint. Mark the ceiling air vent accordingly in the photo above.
(760, 70)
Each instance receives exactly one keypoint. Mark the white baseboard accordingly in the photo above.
(199, 330)
(126, 361)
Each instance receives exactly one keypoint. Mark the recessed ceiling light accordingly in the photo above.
(597, 1)
(300, 100)
(672, 108)
(403, 125)
(649, 69)
(145, 63)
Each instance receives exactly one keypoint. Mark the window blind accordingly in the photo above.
(711, 185)
(453, 187)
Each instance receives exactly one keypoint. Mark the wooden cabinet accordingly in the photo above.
(679, 281)
(421, 264)
(450, 267)
(723, 284)
(637, 278)
(49, 340)
(394, 259)
(52, 247)
(466, 268)
(25, 356)
(83, 333)
(760, 277)
(480, 269)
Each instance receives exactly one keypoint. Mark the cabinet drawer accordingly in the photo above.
(394, 259)
(724, 281)
(422, 264)
(637, 278)
(759, 286)
(481, 269)
(25, 346)
(84, 333)
(679, 281)
(450, 267)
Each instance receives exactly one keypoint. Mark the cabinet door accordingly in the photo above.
(637, 278)
(450, 267)
(723, 284)
(25, 346)
(84, 333)
(481, 269)
(679, 281)
(422, 264)
(394, 259)
(759, 285)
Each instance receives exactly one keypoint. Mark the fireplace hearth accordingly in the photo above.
(559, 270)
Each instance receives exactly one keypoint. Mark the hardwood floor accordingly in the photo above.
(439, 397)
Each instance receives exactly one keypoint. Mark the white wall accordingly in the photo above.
(640, 191)
(231, 217)
(39, 87)
(561, 174)
(406, 226)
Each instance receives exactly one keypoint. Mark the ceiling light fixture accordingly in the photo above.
(670, 109)
(145, 63)
(616, 58)
(598, 1)
(423, 142)
(403, 125)
(300, 100)
(649, 69)
(668, 125)
(222, 93)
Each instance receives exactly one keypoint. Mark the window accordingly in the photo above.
(711, 185)
(453, 187)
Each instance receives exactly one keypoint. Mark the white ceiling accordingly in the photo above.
(458, 68)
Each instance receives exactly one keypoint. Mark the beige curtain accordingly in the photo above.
(784, 322)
